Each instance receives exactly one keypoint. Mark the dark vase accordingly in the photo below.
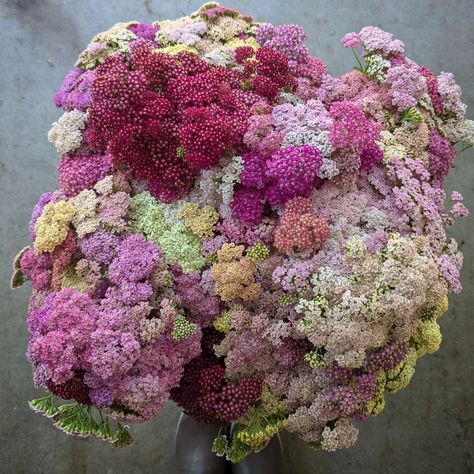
(193, 452)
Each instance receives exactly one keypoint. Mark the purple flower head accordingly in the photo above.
(78, 172)
(131, 293)
(375, 39)
(101, 397)
(112, 353)
(213, 244)
(287, 39)
(407, 85)
(450, 271)
(388, 357)
(100, 246)
(450, 94)
(38, 317)
(253, 174)
(200, 306)
(75, 93)
(135, 260)
(37, 267)
(145, 31)
(347, 400)
(292, 172)
(62, 330)
(351, 40)
(370, 157)
(376, 241)
(441, 155)
(248, 206)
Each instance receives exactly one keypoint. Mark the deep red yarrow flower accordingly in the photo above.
(138, 126)
(72, 389)
(269, 71)
(204, 136)
(205, 394)
(160, 68)
(166, 117)
(242, 53)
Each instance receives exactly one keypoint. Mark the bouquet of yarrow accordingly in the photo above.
(240, 232)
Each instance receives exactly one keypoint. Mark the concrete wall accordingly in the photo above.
(426, 428)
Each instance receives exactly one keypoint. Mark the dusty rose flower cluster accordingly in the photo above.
(239, 231)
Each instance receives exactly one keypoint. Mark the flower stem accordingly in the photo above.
(465, 148)
(361, 68)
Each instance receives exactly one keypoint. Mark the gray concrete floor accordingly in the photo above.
(427, 428)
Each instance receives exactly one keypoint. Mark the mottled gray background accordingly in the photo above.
(426, 428)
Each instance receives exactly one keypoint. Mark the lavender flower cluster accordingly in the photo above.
(239, 231)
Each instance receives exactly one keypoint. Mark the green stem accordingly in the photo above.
(361, 68)
(465, 148)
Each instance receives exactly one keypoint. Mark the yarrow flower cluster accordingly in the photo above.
(239, 231)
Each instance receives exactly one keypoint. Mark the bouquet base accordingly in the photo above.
(193, 452)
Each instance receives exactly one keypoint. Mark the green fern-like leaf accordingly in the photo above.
(45, 406)
(122, 437)
(104, 431)
(75, 420)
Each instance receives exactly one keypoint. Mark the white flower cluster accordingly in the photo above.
(66, 133)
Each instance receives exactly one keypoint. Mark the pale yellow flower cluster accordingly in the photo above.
(85, 218)
(415, 138)
(115, 39)
(225, 28)
(200, 220)
(52, 226)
